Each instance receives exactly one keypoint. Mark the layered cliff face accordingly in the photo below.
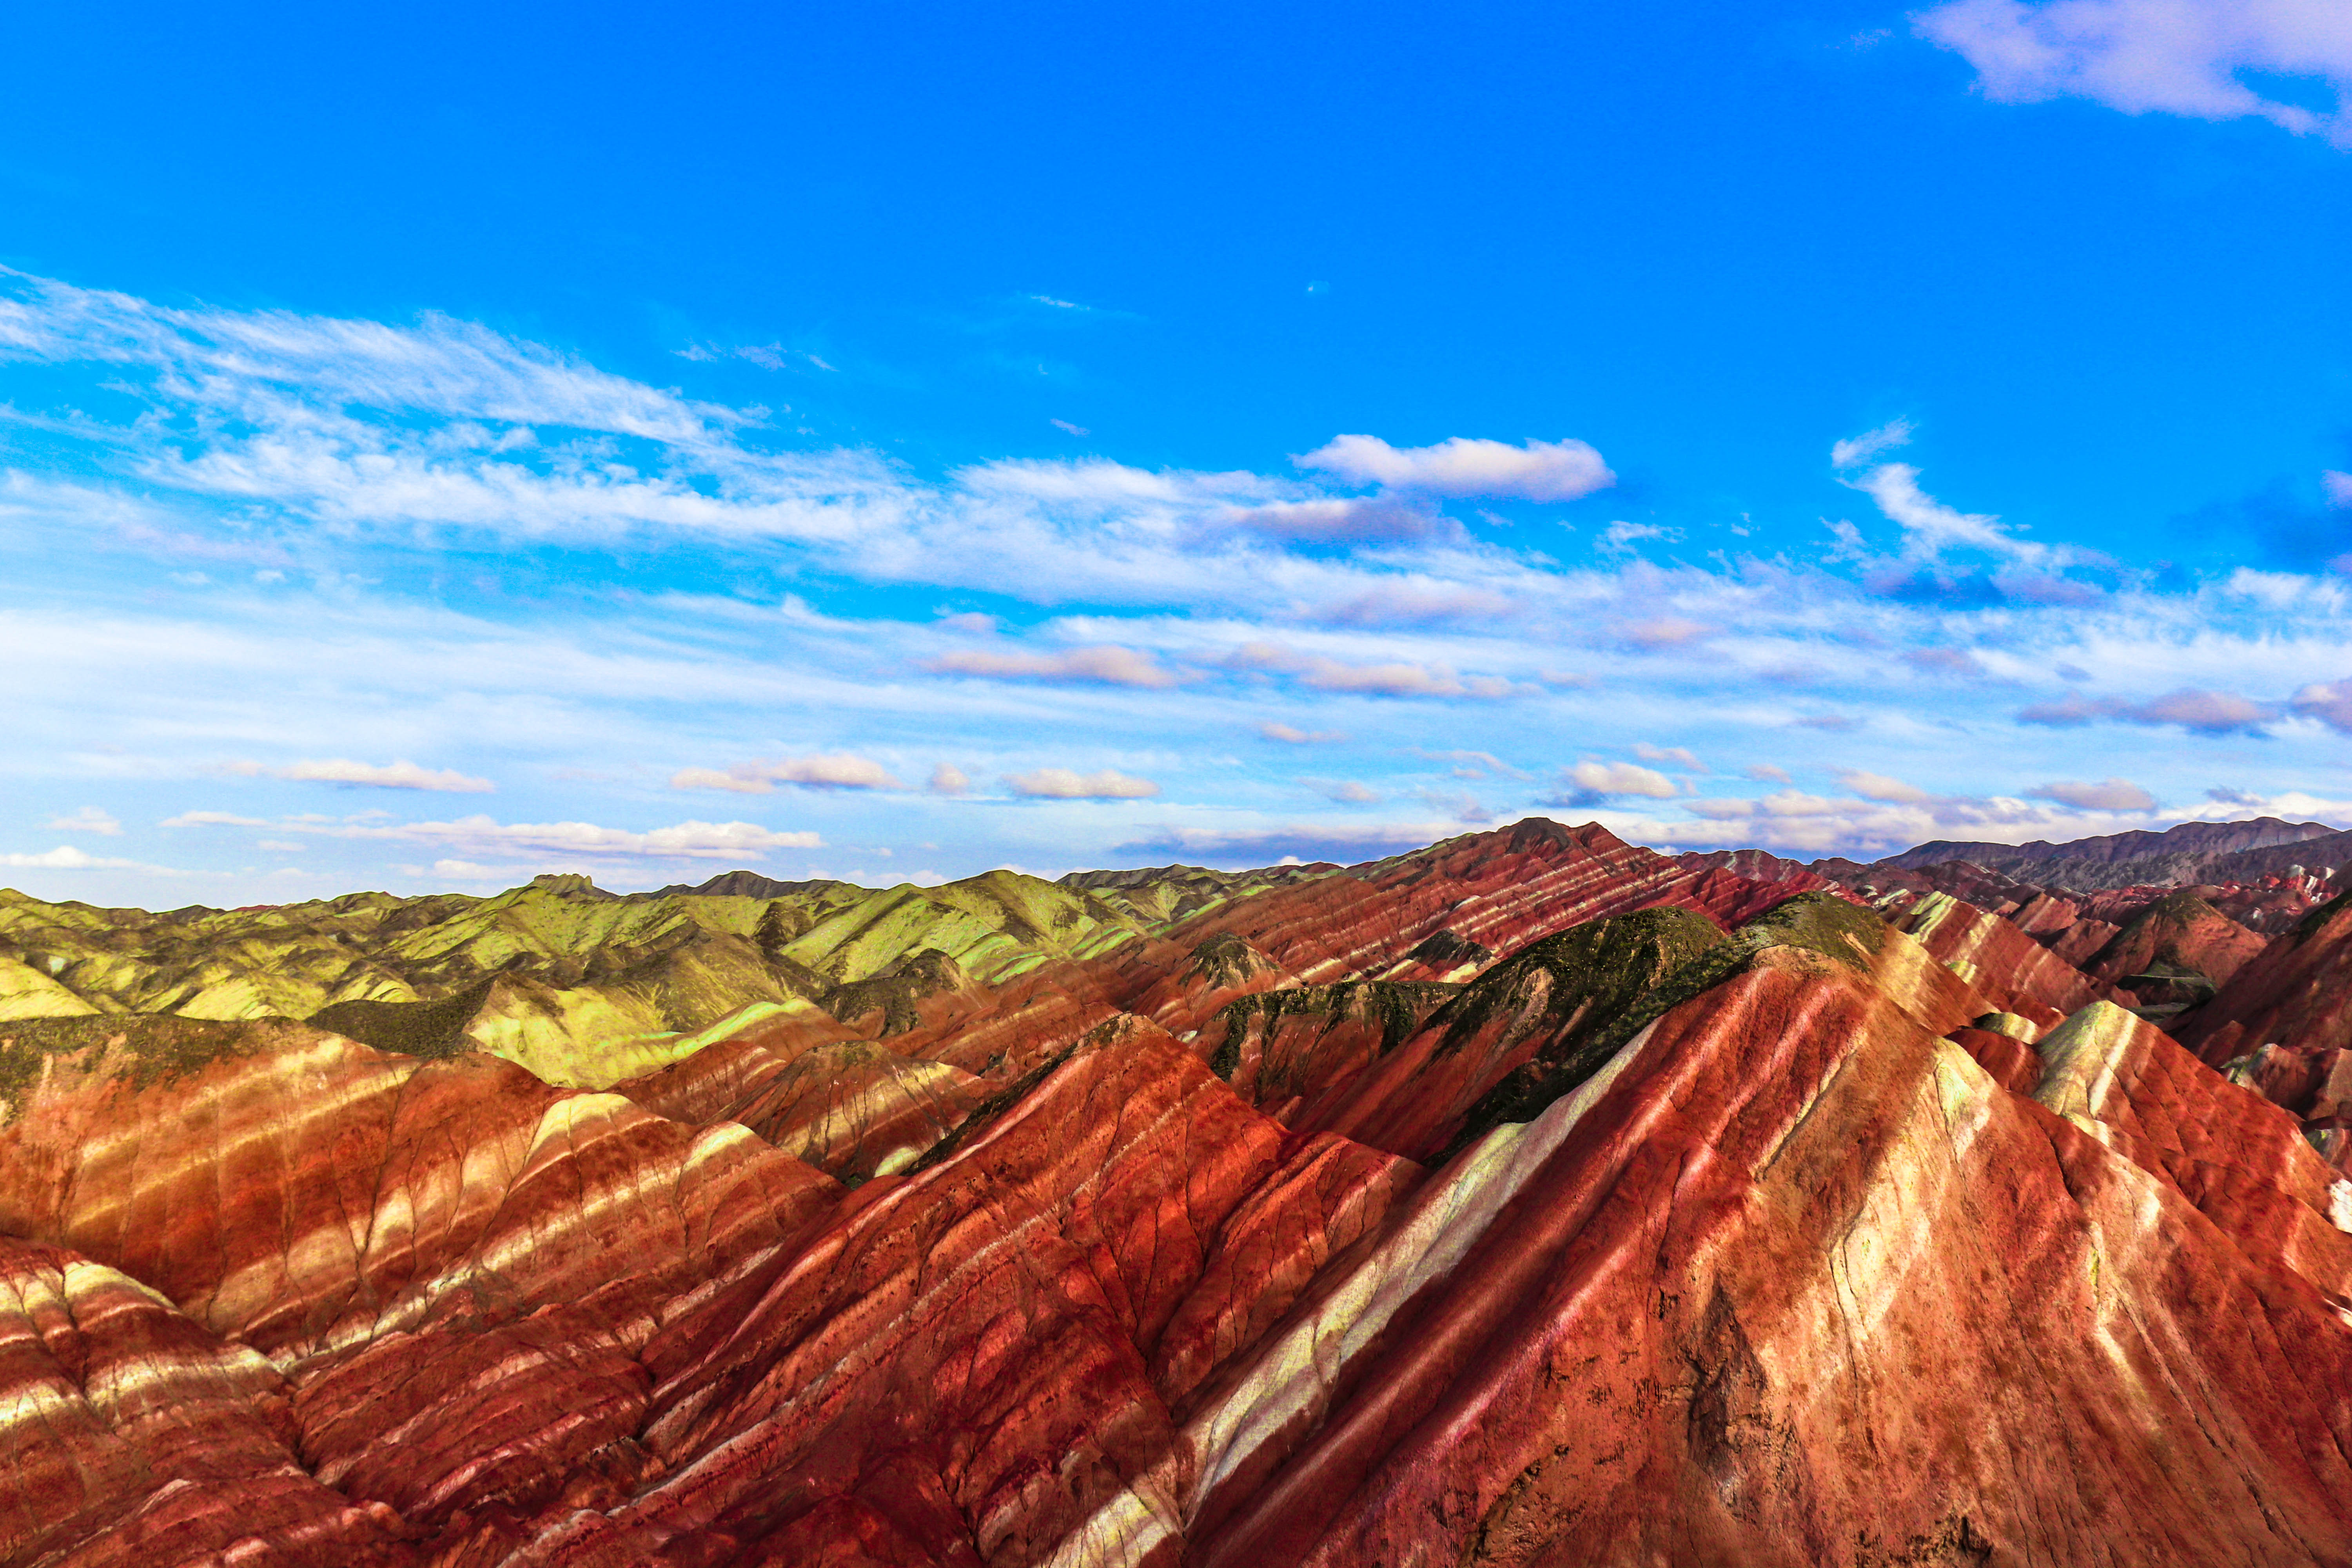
(1529, 1199)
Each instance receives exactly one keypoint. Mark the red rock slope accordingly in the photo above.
(1582, 1234)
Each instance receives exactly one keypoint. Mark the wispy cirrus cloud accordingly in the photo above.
(383, 775)
(1067, 784)
(1310, 842)
(355, 461)
(691, 840)
(66, 858)
(1103, 665)
(1391, 678)
(838, 771)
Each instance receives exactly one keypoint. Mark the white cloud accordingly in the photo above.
(63, 858)
(468, 871)
(87, 819)
(1418, 603)
(1063, 784)
(1663, 632)
(949, 779)
(2339, 486)
(1765, 773)
(1621, 778)
(684, 840)
(1673, 756)
(840, 771)
(1471, 764)
(1295, 842)
(2108, 794)
(1291, 735)
(1461, 465)
(1620, 536)
(1346, 792)
(1879, 787)
(1104, 666)
(1929, 525)
(390, 775)
(2176, 57)
(1394, 677)
(1855, 450)
(2202, 712)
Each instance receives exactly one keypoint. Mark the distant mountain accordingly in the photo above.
(738, 885)
(2191, 854)
(2188, 837)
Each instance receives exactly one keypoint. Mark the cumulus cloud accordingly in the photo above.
(2339, 486)
(1291, 735)
(949, 779)
(1066, 783)
(2207, 712)
(1346, 792)
(2176, 57)
(1620, 778)
(2067, 711)
(1394, 677)
(2330, 702)
(1535, 470)
(1102, 665)
(839, 771)
(1765, 773)
(2107, 794)
(2204, 712)
(390, 775)
(87, 819)
(1879, 787)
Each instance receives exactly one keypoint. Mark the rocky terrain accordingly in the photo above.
(1531, 1198)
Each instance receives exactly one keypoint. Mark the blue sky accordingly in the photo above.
(891, 442)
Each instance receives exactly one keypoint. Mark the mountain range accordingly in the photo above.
(1530, 1198)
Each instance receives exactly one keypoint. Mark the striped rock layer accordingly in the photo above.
(1530, 1200)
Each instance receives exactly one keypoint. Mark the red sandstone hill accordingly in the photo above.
(1529, 1199)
